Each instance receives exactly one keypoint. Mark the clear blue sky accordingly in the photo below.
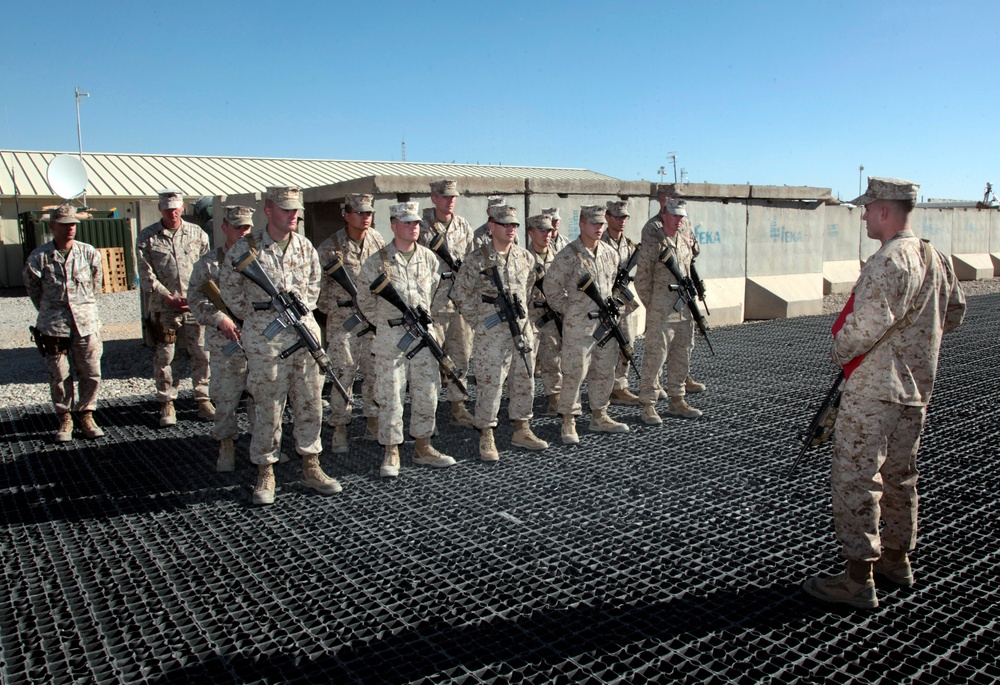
(786, 93)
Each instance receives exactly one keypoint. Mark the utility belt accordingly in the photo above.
(49, 345)
(161, 333)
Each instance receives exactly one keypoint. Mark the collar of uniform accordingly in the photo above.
(905, 233)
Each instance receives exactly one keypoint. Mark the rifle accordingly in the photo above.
(290, 310)
(341, 277)
(440, 248)
(687, 293)
(509, 309)
(624, 278)
(211, 291)
(699, 285)
(821, 426)
(550, 313)
(608, 312)
(416, 321)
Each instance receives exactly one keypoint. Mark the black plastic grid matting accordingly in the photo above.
(672, 553)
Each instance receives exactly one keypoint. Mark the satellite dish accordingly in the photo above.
(67, 176)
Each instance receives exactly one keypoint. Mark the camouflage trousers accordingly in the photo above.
(393, 371)
(628, 326)
(349, 353)
(457, 337)
(166, 363)
(670, 342)
(874, 476)
(85, 354)
(497, 362)
(226, 386)
(548, 348)
(270, 381)
(583, 358)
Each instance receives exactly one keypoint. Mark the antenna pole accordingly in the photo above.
(79, 133)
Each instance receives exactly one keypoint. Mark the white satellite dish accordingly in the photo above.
(67, 176)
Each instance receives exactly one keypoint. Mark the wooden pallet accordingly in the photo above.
(115, 278)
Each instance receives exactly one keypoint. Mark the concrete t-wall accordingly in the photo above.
(841, 247)
(720, 227)
(970, 243)
(995, 240)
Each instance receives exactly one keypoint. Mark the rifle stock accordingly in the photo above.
(549, 314)
(214, 296)
(341, 277)
(607, 315)
(290, 311)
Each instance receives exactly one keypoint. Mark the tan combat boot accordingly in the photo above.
(600, 422)
(339, 442)
(65, 431)
(168, 417)
(426, 455)
(89, 427)
(553, 408)
(524, 437)
(692, 386)
(649, 415)
(625, 397)
(390, 464)
(894, 565)
(264, 492)
(227, 456)
(371, 433)
(568, 432)
(855, 586)
(487, 446)
(460, 416)
(313, 476)
(680, 407)
(206, 410)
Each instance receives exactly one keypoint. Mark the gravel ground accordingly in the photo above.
(127, 363)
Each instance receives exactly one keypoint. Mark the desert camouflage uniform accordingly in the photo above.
(165, 259)
(482, 236)
(669, 334)
(415, 280)
(496, 358)
(882, 411)
(270, 379)
(451, 327)
(229, 374)
(581, 355)
(63, 290)
(548, 343)
(624, 248)
(346, 350)
(655, 226)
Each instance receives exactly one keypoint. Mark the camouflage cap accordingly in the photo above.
(63, 214)
(593, 214)
(880, 188)
(540, 222)
(494, 200)
(286, 197)
(444, 187)
(504, 214)
(170, 199)
(492, 210)
(405, 211)
(359, 202)
(675, 206)
(618, 208)
(237, 215)
(552, 213)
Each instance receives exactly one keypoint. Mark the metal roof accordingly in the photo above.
(138, 175)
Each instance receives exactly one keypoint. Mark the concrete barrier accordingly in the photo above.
(720, 226)
(970, 244)
(841, 247)
(995, 240)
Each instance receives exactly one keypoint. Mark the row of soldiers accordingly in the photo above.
(409, 314)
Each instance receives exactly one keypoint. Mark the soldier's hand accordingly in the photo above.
(229, 329)
(176, 302)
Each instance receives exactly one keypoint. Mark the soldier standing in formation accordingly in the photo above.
(291, 262)
(544, 242)
(166, 253)
(482, 236)
(497, 359)
(62, 278)
(229, 373)
(415, 273)
(348, 351)
(617, 217)
(581, 355)
(452, 328)
(904, 301)
(669, 333)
